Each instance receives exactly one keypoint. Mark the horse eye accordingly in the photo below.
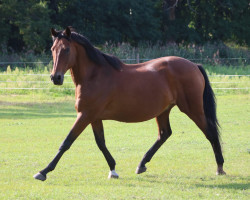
(67, 50)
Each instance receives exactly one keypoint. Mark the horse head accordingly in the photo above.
(63, 54)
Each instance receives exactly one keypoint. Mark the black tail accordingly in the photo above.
(209, 106)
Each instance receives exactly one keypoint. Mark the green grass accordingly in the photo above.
(33, 126)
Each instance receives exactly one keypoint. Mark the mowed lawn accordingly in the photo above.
(32, 127)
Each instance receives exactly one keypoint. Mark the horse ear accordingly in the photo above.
(67, 32)
(53, 32)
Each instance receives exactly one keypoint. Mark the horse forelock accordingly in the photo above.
(60, 36)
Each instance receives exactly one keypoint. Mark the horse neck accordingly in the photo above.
(83, 67)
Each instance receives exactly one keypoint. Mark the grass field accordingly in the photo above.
(32, 127)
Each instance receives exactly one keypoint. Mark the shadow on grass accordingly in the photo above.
(206, 182)
(233, 186)
(32, 110)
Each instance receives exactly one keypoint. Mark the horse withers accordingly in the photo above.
(107, 89)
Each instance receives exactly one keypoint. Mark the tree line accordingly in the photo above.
(25, 24)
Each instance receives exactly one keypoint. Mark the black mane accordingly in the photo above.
(93, 53)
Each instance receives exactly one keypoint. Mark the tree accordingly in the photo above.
(111, 20)
(240, 21)
(34, 24)
(9, 36)
(25, 24)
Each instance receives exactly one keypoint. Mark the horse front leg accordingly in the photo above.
(97, 127)
(80, 124)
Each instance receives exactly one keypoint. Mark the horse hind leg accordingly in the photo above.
(163, 134)
(194, 110)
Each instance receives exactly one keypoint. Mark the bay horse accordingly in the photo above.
(107, 89)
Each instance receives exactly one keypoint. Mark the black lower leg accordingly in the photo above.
(163, 136)
(212, 135)
(63, 148)
(100, 141)
(217, 152)
(109, 158)
(218, 156)
(148, 156)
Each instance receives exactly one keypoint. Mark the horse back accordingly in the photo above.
(173, 74)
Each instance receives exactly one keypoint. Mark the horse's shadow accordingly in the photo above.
(231, 186)
(153, 178)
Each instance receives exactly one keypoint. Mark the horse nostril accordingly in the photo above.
(57, 79)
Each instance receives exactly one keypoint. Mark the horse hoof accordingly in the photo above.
(221, 172)
(39, 176)
(113, 174)
(140, 170)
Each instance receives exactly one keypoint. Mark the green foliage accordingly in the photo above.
(25, 24)
(116, 20)
(201, 21)
(208, 53)
(32, 24)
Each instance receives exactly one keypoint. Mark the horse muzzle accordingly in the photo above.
(57, 79)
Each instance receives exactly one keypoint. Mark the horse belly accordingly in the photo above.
(138, 106)
(138, 115)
